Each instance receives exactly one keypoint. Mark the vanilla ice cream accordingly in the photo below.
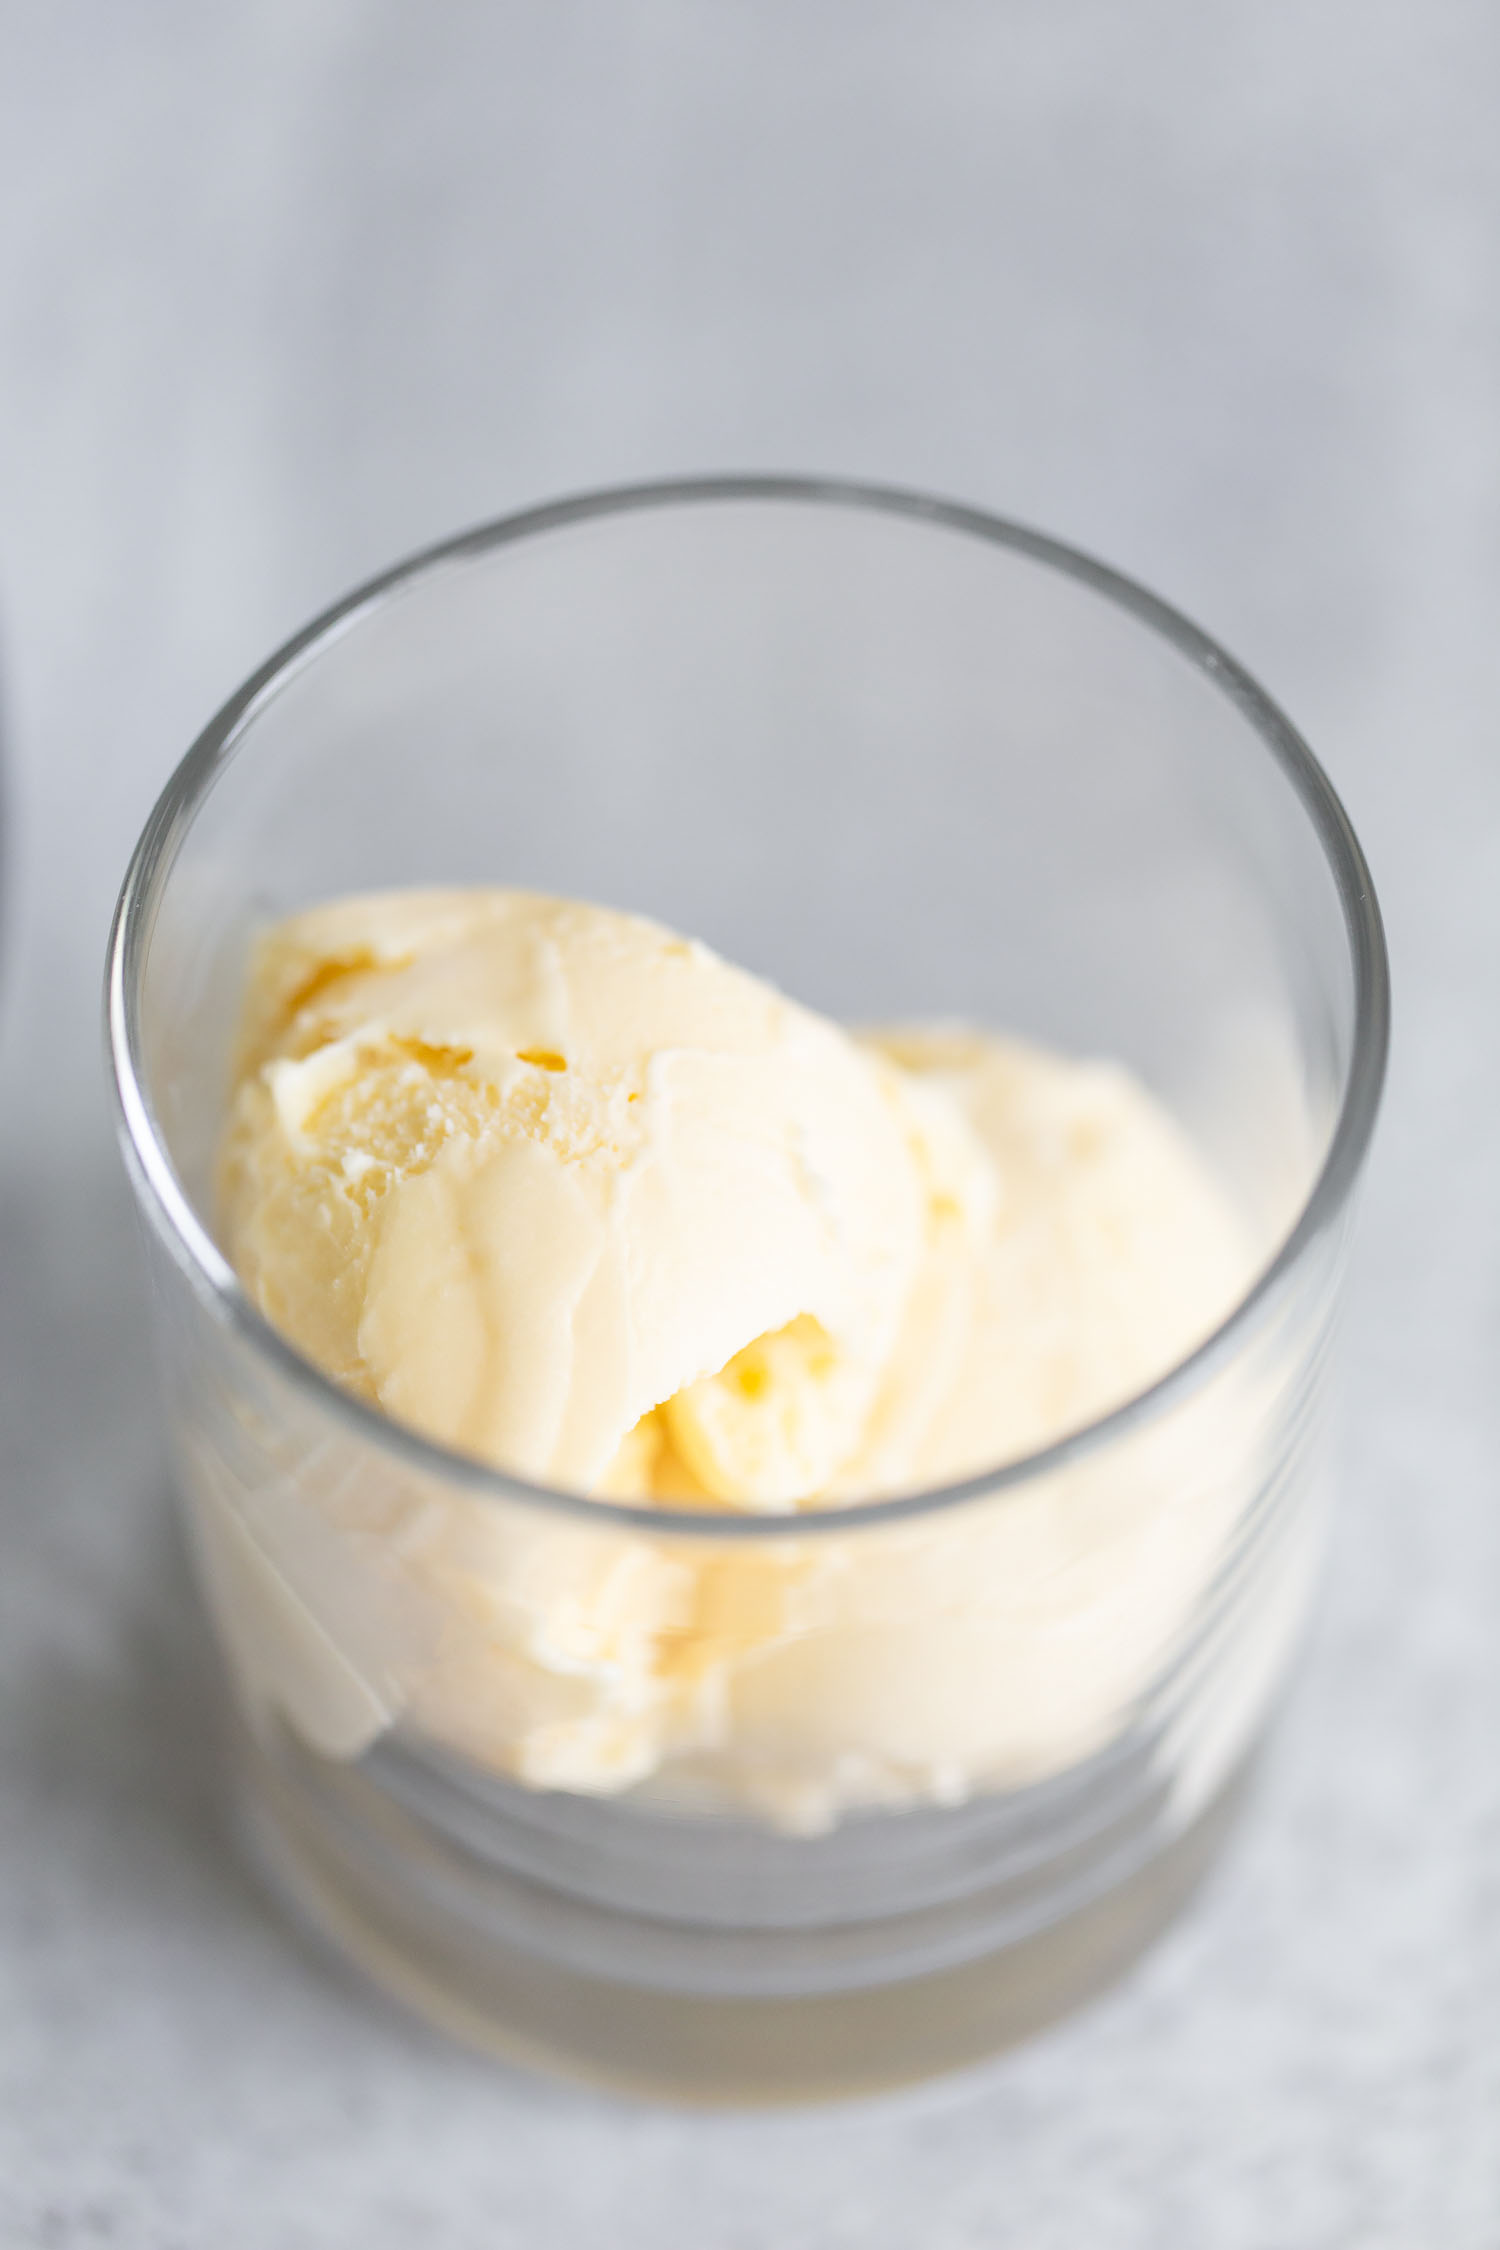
(570, 1194)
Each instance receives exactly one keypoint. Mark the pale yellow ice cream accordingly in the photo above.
(569, 1193)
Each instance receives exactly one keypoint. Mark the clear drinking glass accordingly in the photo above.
(911, 763)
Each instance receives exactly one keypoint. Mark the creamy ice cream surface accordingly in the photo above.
(569, 1193)
(572, 1194)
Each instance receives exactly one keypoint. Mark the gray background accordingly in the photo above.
(291, 286)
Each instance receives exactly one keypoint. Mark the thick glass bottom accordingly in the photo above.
(439, 1930)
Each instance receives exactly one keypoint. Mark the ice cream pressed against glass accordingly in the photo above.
(568, 1193)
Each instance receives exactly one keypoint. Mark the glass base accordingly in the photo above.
(422, 1923)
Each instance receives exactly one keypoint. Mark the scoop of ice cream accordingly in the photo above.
(1108, 1252)
(571, 1194)
(525, 1171)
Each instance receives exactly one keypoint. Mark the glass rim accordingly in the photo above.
(218, 1288)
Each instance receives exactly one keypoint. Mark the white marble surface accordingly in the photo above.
(286, 289)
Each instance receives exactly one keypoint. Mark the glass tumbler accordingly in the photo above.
(744, 1807)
